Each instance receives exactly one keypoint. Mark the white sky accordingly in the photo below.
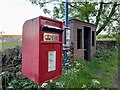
(13, 14)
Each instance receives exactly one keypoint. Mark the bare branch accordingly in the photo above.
(118, 4)
(74, 6)
(107, 19)
(111, 3)
(99, 13)
(107, 3)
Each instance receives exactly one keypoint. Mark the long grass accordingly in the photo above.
(100, 72)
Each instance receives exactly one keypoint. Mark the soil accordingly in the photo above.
(115, 82)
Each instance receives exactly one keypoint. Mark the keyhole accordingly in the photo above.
(53, 46)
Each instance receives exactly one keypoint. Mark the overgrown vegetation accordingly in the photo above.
(106, 37)
(100, 72)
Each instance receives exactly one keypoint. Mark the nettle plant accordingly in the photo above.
(74, 78)
(80, 73)
(11, 75)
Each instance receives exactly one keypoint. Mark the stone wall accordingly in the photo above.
(106, 44)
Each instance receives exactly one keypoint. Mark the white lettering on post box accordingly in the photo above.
(51, 60)
(51, 37)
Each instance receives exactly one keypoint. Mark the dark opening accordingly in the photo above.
(79, 39)
(87, 40)
(47, 29)
(93, 38)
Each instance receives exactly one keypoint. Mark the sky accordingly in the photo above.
(13, 14)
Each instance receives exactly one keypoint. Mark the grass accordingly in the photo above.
(12, 44)
(101, 72)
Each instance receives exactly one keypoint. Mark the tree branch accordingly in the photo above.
(118, 4)
(107, 19)
(111, 3)
(108, 3)
(39, 2)
(99, 13)
(74, 6)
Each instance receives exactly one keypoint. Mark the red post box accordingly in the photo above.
(42, 49)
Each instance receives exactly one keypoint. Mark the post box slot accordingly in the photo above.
(47, 29)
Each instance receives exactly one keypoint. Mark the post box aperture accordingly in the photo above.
(42, 49)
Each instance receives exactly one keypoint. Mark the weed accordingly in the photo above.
(98, 73)
(95, 74)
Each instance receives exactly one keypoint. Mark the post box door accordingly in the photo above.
(51, 66)
(50, 54)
